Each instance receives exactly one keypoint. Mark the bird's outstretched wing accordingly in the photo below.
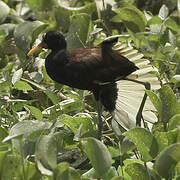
(130, 94)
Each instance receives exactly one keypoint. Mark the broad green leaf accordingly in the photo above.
(31, 171)
(155, 100)
(126, 162)
(163, 12)
(74, 175)
(144, 141)
(63, 14)
(27, 128)
(64, 172)
(11, 167)
(46, 153)
(74, 122)
(23, 34)
(36, 112)
(4, 9)
(167, 160)
(98, 155)
(137, 171)
(34, 84)
(126, 145)
(21, 85)
(8, 28)
(165, 139)
(78, 34)
(52, 96)
(133, 18)
(3, 134)
(114, 151)
(178, 167)
(154, 20)
(70, 105)
(172, 24)
(170, 104)
(174, 122)
(3, 155)
(41, 5)
(36, 76)
(175, 78)
(17, 76)
(107, 176)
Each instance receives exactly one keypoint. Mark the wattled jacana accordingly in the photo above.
(95, 69)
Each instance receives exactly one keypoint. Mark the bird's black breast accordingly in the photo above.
(62, 69)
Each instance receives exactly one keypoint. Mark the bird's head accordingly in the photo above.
(53, 40)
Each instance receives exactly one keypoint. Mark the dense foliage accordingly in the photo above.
(48, 131)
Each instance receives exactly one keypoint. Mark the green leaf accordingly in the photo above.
(78, 34)
(133, 18)
(126, 145)
(155, 20)
(137, 171)
(54, 97)
(108, 175)
(163, 12)
(167, 160)
(164, 139)
(172, 24)
(4, 9)
(70, 105)
(27, 128)
(63, 14)
(74, 123)
(21, 85)
(36, 112)
(31, 171)
(17, 76)
(3, 134)
(41, 5)
(175, 78)
(170, 104)
(36, 76)
(155, 100)
(144, 141)
(24, 34)
(178, 167)
(64, 172)
(3, 155)
(11, 167)
(46, 153)
(98, 155)
(34, 84)
(174, 122)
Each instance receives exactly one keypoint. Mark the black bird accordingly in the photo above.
(95, 69)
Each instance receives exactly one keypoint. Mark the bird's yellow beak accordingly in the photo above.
(34, 50)
(37, 48)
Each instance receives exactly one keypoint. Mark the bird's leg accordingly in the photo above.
(99, 122)
(139, 114)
